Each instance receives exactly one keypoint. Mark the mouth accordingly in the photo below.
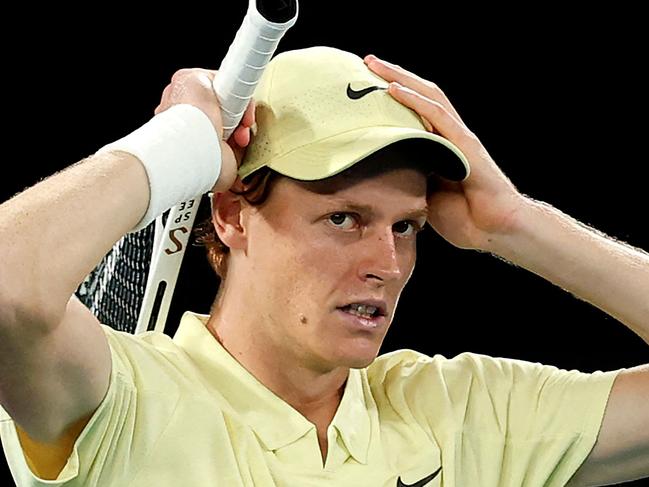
(364, 309)
(364, 314)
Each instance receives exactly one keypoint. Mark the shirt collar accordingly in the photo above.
(277, 424)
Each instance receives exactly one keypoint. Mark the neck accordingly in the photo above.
(313, 391)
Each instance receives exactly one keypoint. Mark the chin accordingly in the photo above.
(359, 363)
(356, 358)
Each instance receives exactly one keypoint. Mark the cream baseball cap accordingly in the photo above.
(320, 110)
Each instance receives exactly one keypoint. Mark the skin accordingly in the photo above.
(193, 86)
(289, 301)
(477, 212)
(299, 258)
(470, 214)
(287, 333)
(289, 268)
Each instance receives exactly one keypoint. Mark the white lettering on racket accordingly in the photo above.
(185, 216)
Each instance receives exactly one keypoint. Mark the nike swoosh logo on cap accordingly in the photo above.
(355, 95)
(421, 482)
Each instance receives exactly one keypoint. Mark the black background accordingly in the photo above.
(558, 99)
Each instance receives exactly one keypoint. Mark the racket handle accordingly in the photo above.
(253, 46)
(240, 71)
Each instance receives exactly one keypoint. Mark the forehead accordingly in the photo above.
(389, 166)
(397, 158)
(392, 194)
(408, 181)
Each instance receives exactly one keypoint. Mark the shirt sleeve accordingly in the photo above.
(96, 449)
(523, 423)
(497, 421)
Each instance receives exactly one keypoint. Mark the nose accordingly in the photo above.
(379, 260)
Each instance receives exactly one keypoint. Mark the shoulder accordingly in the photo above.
(415, 377)
(475, 376)
(407, 364)
(149, 360)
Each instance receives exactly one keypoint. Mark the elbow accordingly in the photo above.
(19, 314)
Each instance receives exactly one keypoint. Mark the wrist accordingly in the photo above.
(505, 241)
(181, 153)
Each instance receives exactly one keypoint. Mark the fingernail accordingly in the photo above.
(370, 57)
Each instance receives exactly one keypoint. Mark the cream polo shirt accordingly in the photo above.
(184, 412)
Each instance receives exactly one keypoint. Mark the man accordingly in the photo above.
(280, 385)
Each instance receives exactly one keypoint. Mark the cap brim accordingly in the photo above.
(333, 155)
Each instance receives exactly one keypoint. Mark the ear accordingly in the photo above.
(228, 218)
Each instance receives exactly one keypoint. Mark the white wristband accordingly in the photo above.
(181, 154)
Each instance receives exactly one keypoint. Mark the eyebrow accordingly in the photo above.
(368, 210)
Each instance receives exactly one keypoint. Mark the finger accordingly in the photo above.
(438, 184)
(238, 151)
(248, 119)
(210, 72)
(429, 126)
(163, 101)
(239, 141)
(181, 74)
(393, 72)
(241, 136)
(229, 166)
(165, 94)
(432, 111)
(187, 71)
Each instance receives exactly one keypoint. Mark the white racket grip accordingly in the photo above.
(240, 71)
(242, 67)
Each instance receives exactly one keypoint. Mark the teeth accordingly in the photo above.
(363, 310)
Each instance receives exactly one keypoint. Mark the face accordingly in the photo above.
(315, 247)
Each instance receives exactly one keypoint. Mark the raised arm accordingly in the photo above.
(614, 277)
(485, 212)
(54, 357)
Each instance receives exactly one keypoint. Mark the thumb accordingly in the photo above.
(228, 169)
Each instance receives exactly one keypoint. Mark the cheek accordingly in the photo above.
(289, 276)
(408, 262)
(309, 278)
(295, 269)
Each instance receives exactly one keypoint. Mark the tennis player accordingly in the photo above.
(318, 197)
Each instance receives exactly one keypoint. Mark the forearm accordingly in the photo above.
(57, 231)
(608, 274)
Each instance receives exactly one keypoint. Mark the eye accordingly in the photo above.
(338, 220)
(346, 221)
(413, 229)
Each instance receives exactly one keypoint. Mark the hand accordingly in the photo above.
(472, 213)
(194, 87)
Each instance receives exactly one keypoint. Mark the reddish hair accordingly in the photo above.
(256, 189)
(257, 186)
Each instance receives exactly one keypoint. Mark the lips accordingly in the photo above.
(355, 323)
(380, 305)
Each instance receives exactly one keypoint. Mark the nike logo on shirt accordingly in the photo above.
(421, 482)
(355, 95)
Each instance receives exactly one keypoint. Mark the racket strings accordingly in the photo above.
(114, 289)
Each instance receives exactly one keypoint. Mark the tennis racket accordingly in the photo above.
(132, 287)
